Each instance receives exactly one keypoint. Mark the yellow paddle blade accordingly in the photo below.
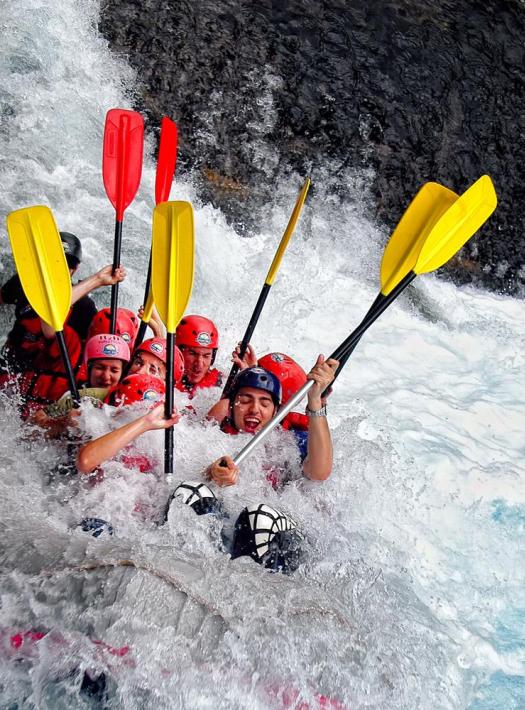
(148, 307)
(288, 233)
(172, 260)
(401, 252)
(41, 263)
(459, 223)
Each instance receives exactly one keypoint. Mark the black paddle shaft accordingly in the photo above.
(343, 352)
(169, 403)
(246, 339)
(116, 263)
(67, 366)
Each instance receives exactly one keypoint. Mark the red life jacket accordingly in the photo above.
(136, 460)
(296, 421)
(47, 380)
(227, 427)
(213, 378)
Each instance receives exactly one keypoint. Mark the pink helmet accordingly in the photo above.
(127, 325)
(106, 346)
(157, 347)
(291, 375)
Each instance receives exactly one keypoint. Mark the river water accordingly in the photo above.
(412, 594)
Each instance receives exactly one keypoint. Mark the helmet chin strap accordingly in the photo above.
(231, 419)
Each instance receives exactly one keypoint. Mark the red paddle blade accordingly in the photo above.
(122, 157)
(167, 160)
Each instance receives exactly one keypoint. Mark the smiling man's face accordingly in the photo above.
(252, 409)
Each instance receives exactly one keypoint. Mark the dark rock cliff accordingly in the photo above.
(418, 91)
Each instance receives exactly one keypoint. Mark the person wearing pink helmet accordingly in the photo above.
(198, 339)
(150, 358)
(105, 357)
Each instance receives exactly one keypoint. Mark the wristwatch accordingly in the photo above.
(318, 413)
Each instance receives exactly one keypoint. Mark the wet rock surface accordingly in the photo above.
(416, 91)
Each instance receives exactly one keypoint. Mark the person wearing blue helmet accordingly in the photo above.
(267, 535)
(255, 398)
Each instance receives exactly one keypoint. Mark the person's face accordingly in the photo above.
(147, 364)
(252, 409)
(197, 362)
(105, 372)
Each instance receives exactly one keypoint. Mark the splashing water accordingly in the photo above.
(412, 594)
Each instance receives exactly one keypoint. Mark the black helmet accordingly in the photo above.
(198, 496)
(269, 537)
(72, 249)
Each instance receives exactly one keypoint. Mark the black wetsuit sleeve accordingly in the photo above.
(12, 291)
(81, 316)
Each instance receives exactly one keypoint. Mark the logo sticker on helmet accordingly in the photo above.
(109, 349)
(156, 347)
(151, 395)
(204, 339)
(126, 337)
(277, 357)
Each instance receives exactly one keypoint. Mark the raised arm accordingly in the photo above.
(104, 277)
(94, 453)
(319, 460)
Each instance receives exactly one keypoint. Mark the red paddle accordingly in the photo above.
(166, 162)
(121, 171)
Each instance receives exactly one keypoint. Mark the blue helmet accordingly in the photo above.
(259, 378)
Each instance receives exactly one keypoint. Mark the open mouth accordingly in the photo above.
(251, 423)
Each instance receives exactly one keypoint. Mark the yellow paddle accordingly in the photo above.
(172, 282)
(430, 203)
(456, 226)
(43, 271)
(274, 267)
(452, 230)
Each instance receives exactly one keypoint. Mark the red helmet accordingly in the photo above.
(291, 375)
(127, 324)
(157, 347)
(136, 388)
(197, 332)
(106, 346)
